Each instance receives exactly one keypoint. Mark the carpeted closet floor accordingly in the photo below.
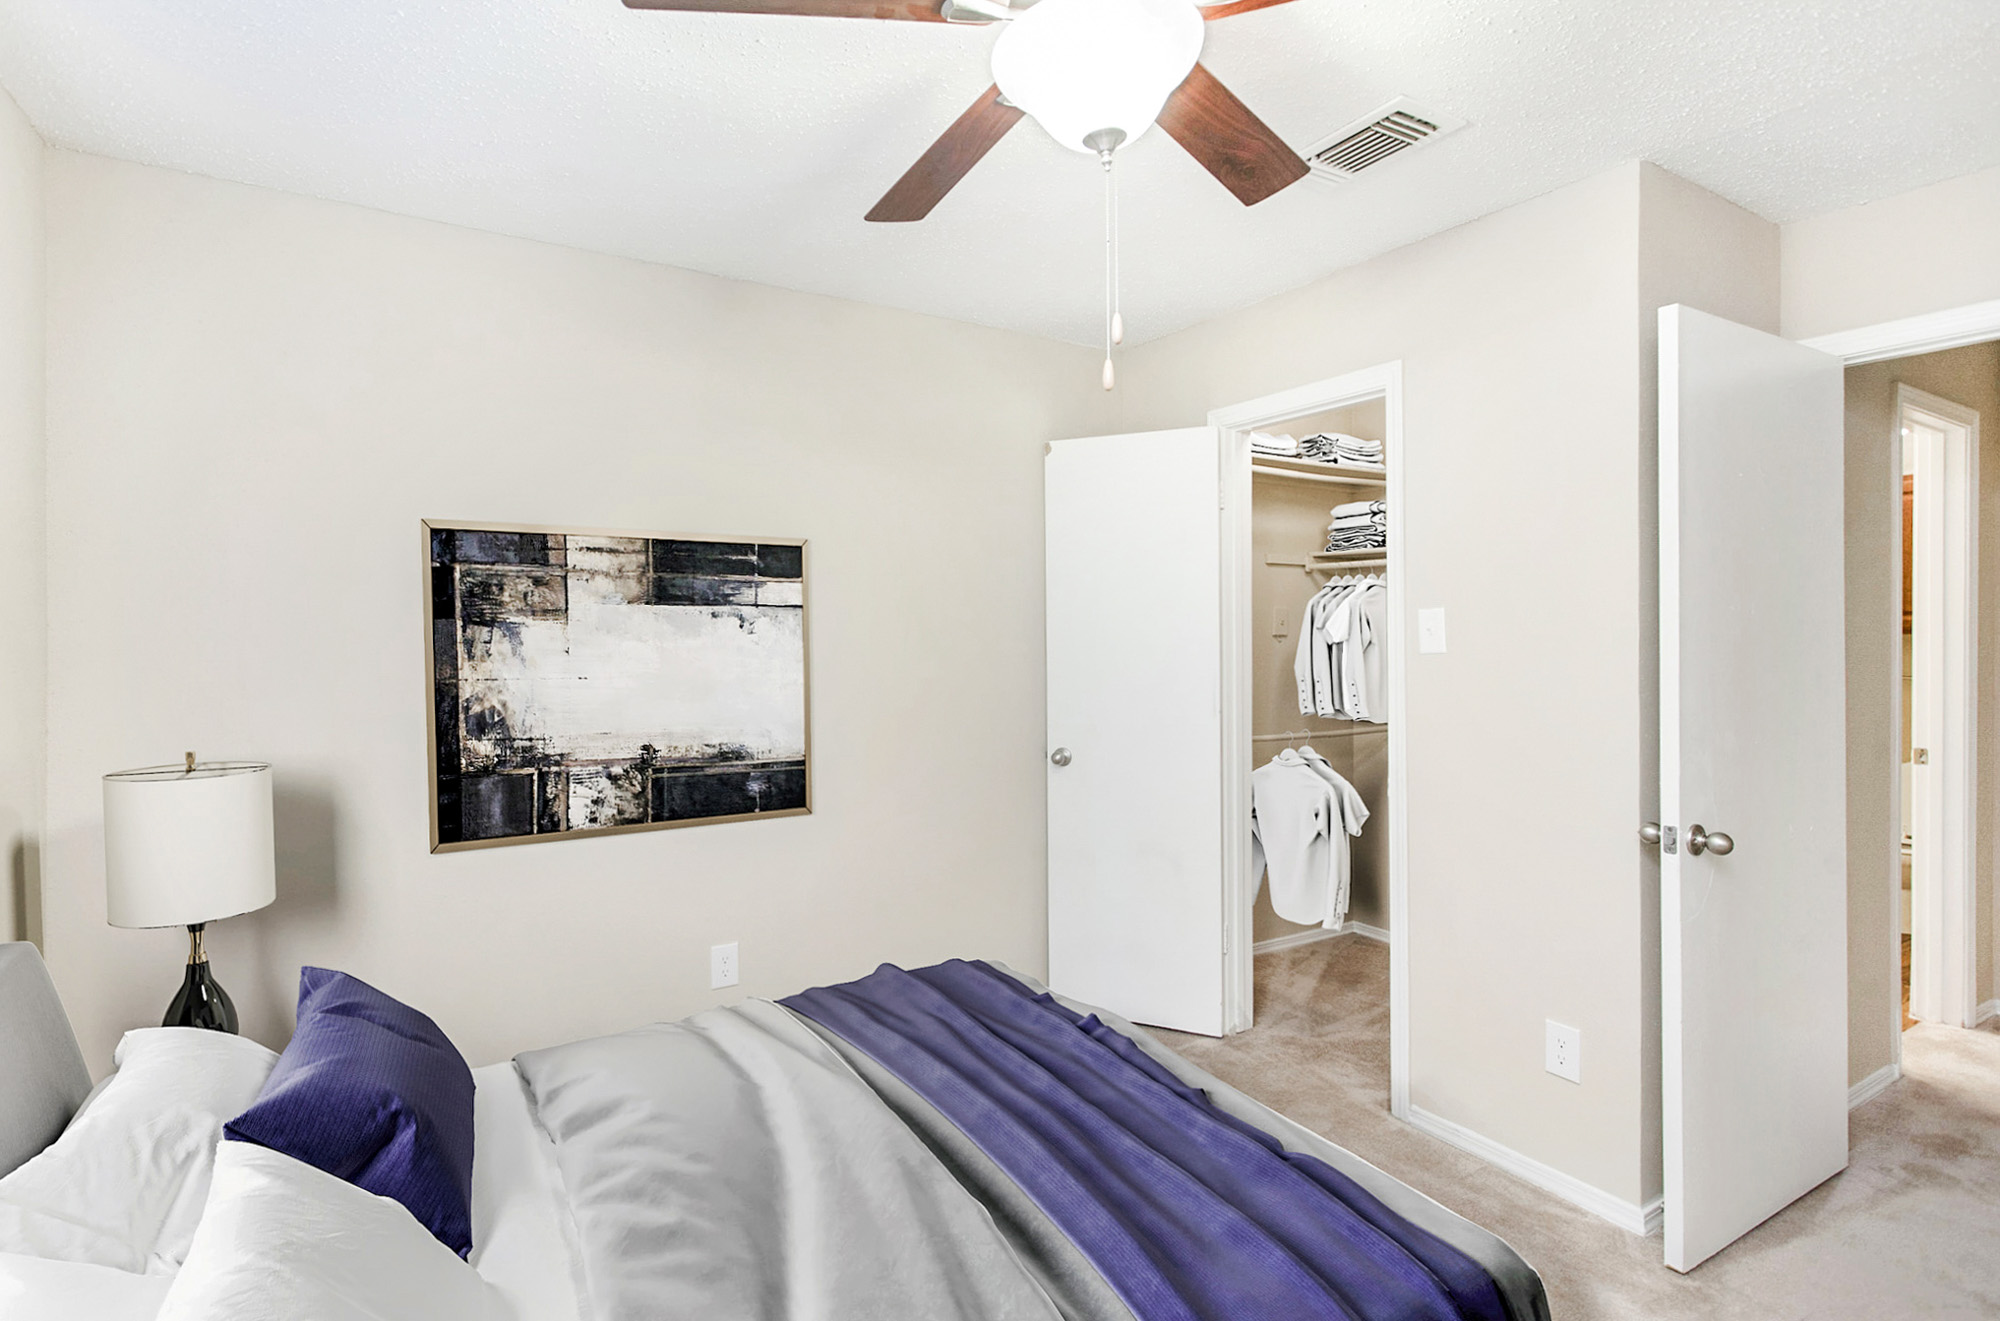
(1911, 1229)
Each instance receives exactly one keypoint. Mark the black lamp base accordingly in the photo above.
(201, 1001)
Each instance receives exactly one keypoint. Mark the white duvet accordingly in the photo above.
(282, 1241)
(278, 1239)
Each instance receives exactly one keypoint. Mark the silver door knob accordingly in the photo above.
(1060, 756)
(1650, 832)
(1709, 841)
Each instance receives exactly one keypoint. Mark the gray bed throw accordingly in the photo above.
(731, 1165)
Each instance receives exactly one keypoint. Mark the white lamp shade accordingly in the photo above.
(1079, 66)
(182, 847)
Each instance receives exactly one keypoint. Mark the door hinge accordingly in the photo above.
(1921, 756)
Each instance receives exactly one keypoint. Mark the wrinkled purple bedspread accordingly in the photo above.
(1188, 1213)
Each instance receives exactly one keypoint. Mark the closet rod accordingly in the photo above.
(1298, 734)
(1260, 470)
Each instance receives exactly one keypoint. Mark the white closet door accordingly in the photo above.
(1753, 720)
(1134, 737)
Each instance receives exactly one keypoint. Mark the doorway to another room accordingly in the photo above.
(1935, 440)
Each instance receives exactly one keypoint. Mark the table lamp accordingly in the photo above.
(185, 846)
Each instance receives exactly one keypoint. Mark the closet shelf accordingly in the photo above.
(1270, 465)
(1333, 562)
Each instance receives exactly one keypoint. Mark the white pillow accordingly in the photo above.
(283, 1241)
(125, 1183)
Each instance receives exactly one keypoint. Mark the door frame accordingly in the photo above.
(1238, 891)
(1943, 962)
(1906, 337)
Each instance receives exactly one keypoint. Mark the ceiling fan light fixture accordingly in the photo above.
(1080, 67)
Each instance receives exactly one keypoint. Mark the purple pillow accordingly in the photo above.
(370, 1091)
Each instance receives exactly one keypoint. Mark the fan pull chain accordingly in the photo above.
(1114, 324)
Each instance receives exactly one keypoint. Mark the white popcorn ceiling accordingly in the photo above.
(750, 146)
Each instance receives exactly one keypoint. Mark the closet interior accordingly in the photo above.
(1319, 521)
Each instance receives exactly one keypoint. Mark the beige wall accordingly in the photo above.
(1968, 376)
(1921, 251)
(254, 397)
(1697, 249)
(1519, 337)
(22, 585)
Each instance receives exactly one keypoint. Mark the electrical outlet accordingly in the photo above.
(1565, 1051)
(1281, 622)
(722, 965)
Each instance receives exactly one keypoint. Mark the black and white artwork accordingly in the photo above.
(583, 682)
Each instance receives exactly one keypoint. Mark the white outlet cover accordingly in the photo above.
(1564, 1051)
(721, 965)
(1430, 630)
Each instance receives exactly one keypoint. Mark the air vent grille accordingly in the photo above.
(1392, 129)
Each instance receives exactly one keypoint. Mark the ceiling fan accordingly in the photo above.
(1094, 73)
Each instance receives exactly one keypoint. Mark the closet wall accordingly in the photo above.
(1288, 520)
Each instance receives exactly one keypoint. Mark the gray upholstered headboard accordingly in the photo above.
(44, 1080)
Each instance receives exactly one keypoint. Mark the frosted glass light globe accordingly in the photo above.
(1079, 66)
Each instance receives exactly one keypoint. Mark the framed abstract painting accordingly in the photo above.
(584, 683)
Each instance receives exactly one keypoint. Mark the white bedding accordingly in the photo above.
(37, 1289)
(288, 1234)
(521, 1235)
(283, 1241)
(124, 1185)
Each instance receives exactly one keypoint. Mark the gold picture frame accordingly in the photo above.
(551, 633)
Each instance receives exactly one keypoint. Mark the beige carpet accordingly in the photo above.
(1911, 1229)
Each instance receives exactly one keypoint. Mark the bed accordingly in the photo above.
(946, 1142)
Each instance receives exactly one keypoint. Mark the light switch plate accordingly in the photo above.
(1565, 1051)
(722, 965)
(1281, 621)
(1430, 630)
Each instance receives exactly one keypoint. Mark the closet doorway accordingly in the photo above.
(1151, 744)
(1319, 528)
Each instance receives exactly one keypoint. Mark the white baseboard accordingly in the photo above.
(1314, 934)
(1873, 1085)
(1985, 1011)
(1629, 1216)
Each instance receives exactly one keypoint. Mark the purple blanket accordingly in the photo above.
(1188, 1213)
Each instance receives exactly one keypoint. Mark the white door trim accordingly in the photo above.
(1931, 332)
(1943, 964)
(1955, 327)
(1238, 886)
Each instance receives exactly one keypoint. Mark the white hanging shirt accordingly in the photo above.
(1359, 637)
(1353, 811)
(1308, 662)
(1299, 828)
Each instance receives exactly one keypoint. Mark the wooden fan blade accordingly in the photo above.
(1223, 10)
(914, 11)
(1231, 143)
(940, 168)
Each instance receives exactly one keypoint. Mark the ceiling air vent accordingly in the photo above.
(1368, 142)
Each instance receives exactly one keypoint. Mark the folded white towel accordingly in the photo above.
(1263, 442)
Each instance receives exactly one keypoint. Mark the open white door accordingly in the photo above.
(1753, 737)
(1135, 725)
